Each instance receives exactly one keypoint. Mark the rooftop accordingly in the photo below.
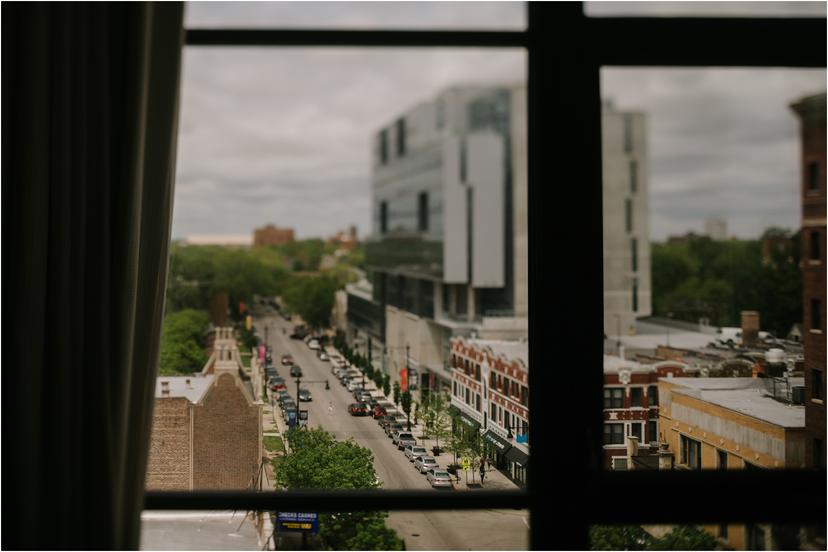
(179, 386)
(510, 350)
(746, 396)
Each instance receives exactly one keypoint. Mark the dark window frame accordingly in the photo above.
(561, 40)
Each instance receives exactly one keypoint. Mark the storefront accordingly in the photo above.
(496, 449)
(517, 463)
(466, 424)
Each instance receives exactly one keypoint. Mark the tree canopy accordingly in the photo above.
(181, 350)
(633, 537)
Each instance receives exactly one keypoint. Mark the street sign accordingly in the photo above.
(303, 418)
(466, 464)
(302, 522)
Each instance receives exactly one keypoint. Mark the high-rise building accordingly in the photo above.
(811, 112)
(448, 253)
(627, 294)
(715, 229)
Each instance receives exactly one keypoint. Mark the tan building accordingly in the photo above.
(734, 423)
(272, 235)
(207, 428)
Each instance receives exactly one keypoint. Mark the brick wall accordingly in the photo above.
(169, 457)
(227, 437)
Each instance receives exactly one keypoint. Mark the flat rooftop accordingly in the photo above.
(746, 396)
(508, 349)
(179, 386)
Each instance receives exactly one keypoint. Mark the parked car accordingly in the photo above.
(288, 404)
(296, 371)
(413, 451)
(281, 394)
(439, 478)
(314, 344)
(383, 419)
(305, 395)
(287, 359)
(271, 372)
(371, 402)
(393, 428)
(425, 463)
(358, 409)
(352, 385)
(403, 435)
(277, 383)
(323, 356)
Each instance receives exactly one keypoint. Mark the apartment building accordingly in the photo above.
(490, 392)
(631, 404)
(627, 287)
(811, 113)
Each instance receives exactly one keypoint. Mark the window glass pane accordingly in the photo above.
(705, 9)
(706, 263)
(357, 15)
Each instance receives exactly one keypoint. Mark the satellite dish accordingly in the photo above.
(624, 376)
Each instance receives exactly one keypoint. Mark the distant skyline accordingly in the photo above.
(283, 135)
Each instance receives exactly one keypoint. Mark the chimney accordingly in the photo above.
(750, 328)
(165, 388)
(665, 457)
(632, 450)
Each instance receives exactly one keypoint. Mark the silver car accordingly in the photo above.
(439, 478)
(425, 463)
(413, 451)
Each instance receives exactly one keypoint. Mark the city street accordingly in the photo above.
(439, 530)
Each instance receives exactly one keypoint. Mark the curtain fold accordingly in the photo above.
(89, 118)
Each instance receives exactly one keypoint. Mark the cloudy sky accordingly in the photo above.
(282, 136)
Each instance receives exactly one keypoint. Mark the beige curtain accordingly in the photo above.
(90, 102)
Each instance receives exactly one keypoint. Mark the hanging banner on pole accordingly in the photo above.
(404, 380)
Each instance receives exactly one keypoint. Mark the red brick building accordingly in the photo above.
(631, 404)
(490, 390)
(811, 112)
(272, 235)
(206, 429)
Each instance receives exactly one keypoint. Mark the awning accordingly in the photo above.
(500, 444)
(469, 421)
(518, 457)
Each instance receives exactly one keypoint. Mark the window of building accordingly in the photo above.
(422, 212)
(635, 295)
(493, 412)
(454, 388)
(613, 397)
(492, 380)
(628, 215)
(816, 314)
(477, 401)
(816, 383)
(524, 395)
(690, 453)
(636, 396)
(637, 430)
(400, 137)
(613, 434)
(721, 459)
(813, 176)
(619, 463)
(383, 217)
(634, 254)
(633, 176)
(383, 146)
(652, 395)
(723, 530)
(628, 134)
(816, 252)
(468, 396)
(755, 537)
(652, 431)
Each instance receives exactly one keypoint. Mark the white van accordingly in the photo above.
(729, 336)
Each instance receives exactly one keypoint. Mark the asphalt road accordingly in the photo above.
(438, 530)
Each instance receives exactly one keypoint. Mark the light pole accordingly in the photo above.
(618, 333)
(408, 387)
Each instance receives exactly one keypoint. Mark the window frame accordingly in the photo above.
(560, 40)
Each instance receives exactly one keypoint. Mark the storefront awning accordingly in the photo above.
(471, 422)
(500, 444)
(518, 457)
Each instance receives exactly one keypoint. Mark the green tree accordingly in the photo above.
(397, 393)
(440, 420)
(312, 297)
(181, 350)
(386, 384)
(618, 537)
(405, 399)
(684, 537)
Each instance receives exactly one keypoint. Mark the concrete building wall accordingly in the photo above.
(626, 221)
(227, 437)
(170, 458)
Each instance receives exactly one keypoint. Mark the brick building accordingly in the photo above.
(344, 239)
(272, 235)
(490, 391)
(811, 112)
(207, 428)
(631, 404)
